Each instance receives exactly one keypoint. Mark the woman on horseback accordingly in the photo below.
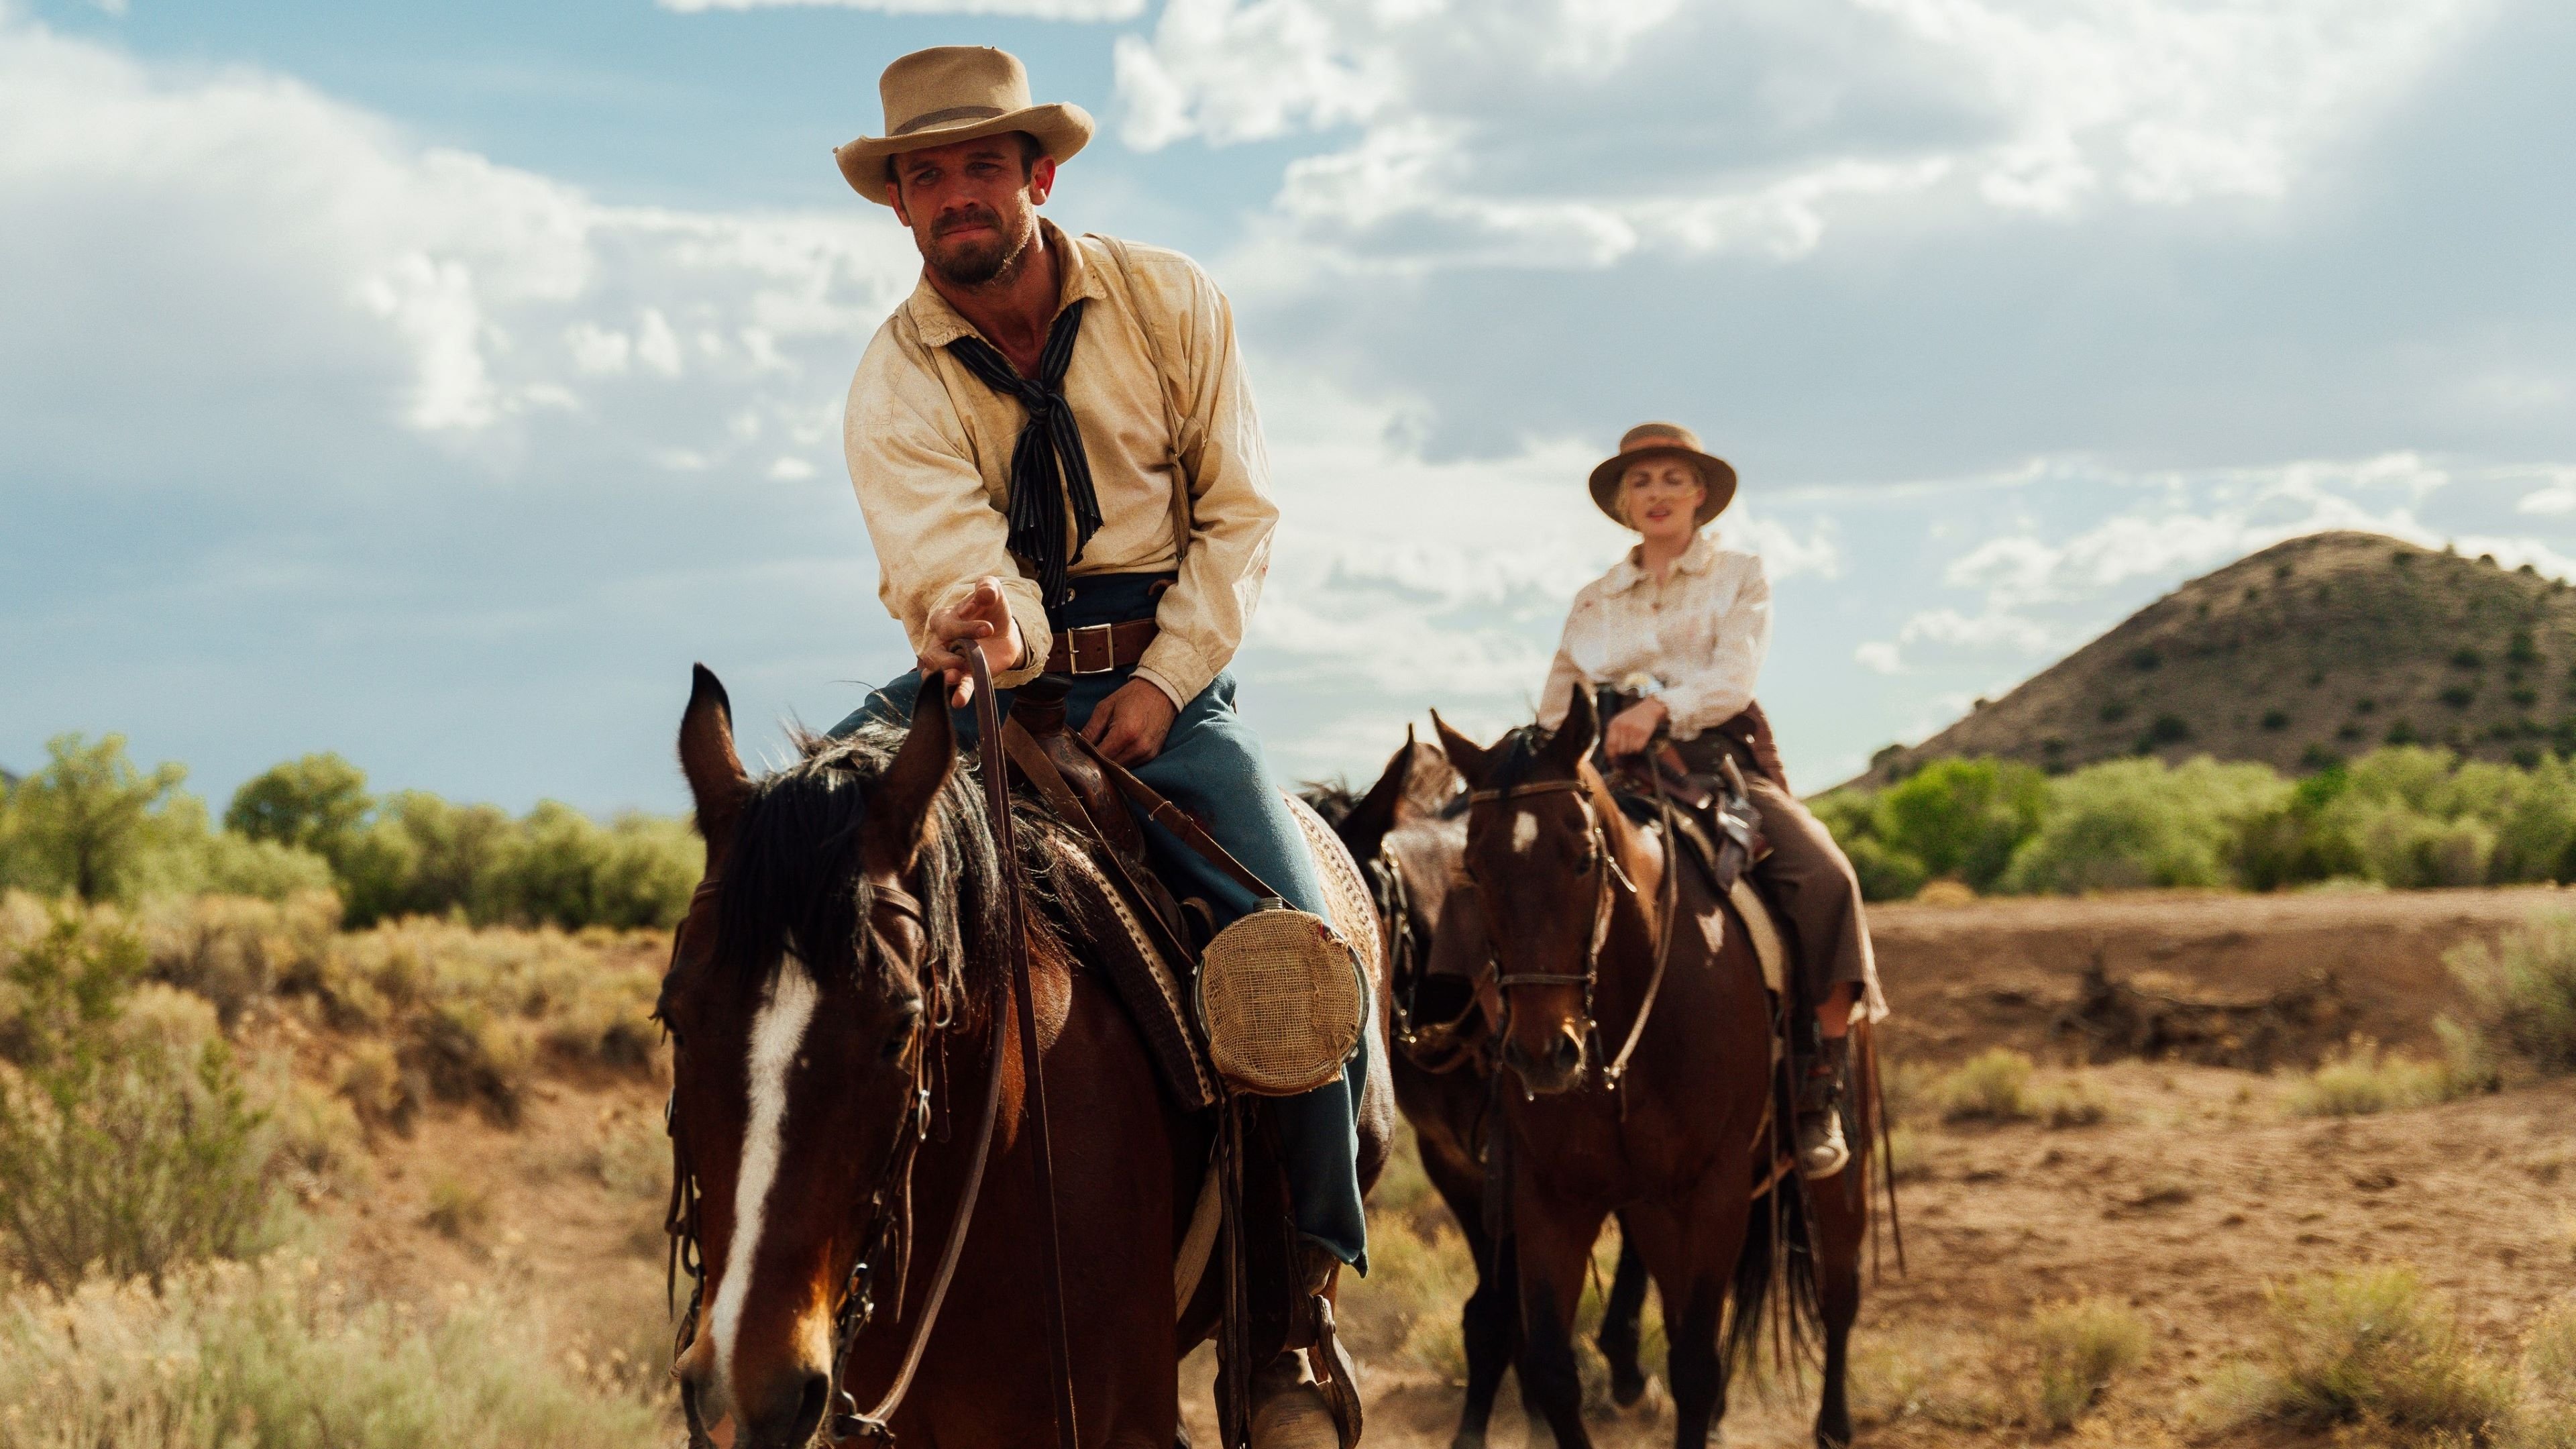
(1673, 637)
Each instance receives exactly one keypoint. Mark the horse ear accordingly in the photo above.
(716, 778)
(1365, 828)
(900, 804)
(1472, 761)
(1573, 738)
(1429, 783)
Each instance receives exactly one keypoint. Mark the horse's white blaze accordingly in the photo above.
(1524, 831)
(1713, 926)
(777, 1032)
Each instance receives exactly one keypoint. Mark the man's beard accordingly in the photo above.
(979, 263)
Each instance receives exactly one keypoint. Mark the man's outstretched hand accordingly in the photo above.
(1130, 724)
(985, 617)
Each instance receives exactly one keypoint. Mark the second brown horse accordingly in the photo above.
(1573, 894)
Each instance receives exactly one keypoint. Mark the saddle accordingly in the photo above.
(1713, 820)
(1156, 945)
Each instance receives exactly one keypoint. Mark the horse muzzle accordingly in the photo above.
(1555, 1068)
(787, 1413)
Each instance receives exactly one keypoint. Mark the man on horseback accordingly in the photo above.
(1058, 459)
(1673, 637)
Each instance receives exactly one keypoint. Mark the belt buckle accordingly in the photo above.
(1073, 648)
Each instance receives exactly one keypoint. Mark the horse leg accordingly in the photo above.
(1619, 1320)
(1691, 1248)
(1488, 1327)
(1841, 1209)
(1555, 1247)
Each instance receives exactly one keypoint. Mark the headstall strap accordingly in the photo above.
(1607, 867)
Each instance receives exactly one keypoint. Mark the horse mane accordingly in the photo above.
(1520, 750)
(793, 881)
(1333, 799)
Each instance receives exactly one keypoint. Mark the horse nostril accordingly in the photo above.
(1567, 1050)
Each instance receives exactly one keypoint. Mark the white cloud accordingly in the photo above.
(1032, 9)
(1575, 132)
(407, 281)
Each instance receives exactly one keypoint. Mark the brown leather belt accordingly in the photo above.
(1099, 648)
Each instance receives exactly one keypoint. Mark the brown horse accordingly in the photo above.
(1573, 894)
(1409, 834)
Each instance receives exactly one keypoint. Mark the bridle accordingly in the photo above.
(1605, 870)
(885, 1243)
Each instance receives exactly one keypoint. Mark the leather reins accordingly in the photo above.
(1598, 934)
(875, 1424)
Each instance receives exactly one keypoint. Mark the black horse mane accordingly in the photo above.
(1333, 799)
(1520, 750)
(793, 880)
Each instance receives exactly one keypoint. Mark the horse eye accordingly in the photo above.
(907, 1021)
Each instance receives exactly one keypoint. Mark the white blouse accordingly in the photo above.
(1701, 634)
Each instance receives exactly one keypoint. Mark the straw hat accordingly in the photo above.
(954, 93)
(1663, 440)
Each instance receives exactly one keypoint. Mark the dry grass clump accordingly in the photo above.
(234, 950)
(2524, 990)
(457, 1209)
(2360, 1080)
(269, 1354)
(2548, 1419)
(1995, 1086)
(2079, 1347)
(2368, 1346)
(1992, 1086)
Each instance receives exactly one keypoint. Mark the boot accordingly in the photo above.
(1288, 1410)
(1822, 1152)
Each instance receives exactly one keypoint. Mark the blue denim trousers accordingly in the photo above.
(1211, 766)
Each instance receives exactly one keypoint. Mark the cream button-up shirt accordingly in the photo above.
(1701, 634)
(1157, 388)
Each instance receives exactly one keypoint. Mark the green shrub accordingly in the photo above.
(1885, 874)
(1992, 1086)
(2523, 990)
(2372, 1344)
(272, 1355)
(89, 823)
(2132, 823)
(1962, 818)
(565, 869)
(2080, 1347)
(127, 1139)
(316, 804)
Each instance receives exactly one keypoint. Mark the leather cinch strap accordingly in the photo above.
(1099, 648)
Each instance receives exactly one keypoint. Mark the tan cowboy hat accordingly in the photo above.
(1663, 440)
(954, 93)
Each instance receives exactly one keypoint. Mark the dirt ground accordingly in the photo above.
(2196, 1191)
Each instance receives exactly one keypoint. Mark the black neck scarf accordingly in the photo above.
(1048, 466)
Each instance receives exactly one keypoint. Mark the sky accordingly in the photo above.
(434, 383)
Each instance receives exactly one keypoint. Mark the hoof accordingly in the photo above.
(1468, 1440)
(1627, 1386)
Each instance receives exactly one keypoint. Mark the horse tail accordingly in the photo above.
(1775, 1292)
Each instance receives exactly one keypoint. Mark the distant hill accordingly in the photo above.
(2328, 645)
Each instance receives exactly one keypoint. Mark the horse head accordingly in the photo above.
(1543, 843)
(823, 945)
(1403, 833)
